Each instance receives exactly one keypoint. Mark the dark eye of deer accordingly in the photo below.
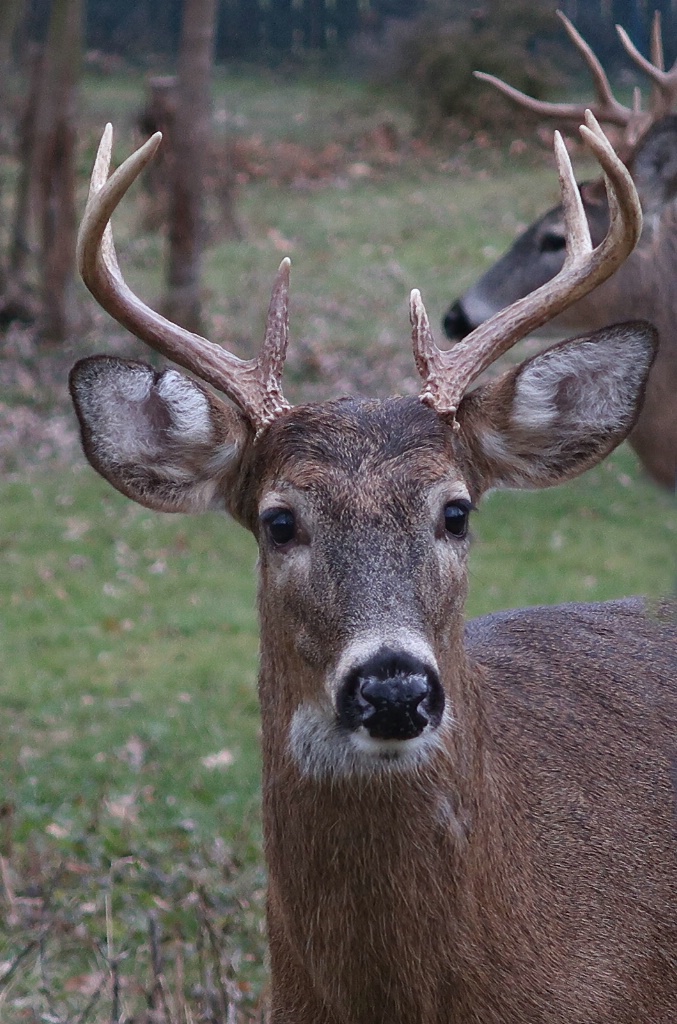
(280, 525)
(456, 518)
(553, 243)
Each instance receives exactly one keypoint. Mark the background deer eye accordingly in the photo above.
(281, 525)
(553, 242)
(456, 518)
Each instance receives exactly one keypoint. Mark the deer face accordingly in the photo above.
(362, 523)
(535, 257)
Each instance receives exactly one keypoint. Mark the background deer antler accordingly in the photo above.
(608, 109)
(448, 374)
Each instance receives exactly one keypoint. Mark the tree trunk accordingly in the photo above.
(20, 241)
(192, 142)
(158, 115)
(54, 152)
(10, 14)
(17, 294)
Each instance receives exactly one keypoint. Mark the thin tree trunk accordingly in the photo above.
(54, 155)
(17, 294)
(10, 14)
(191, 146)
(158, 115)
(20, 240)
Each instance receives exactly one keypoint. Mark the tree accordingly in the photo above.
(53, 168)
(192, 141)
(10, 15)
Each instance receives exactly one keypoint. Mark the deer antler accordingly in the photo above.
(607, 109)
(253, 384)
(448, 374)
(665, 82)
(634, 120)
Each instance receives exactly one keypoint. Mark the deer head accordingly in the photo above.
(346, 489)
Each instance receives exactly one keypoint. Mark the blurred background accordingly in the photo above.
(351, 136)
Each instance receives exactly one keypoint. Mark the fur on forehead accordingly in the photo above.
(352, 435)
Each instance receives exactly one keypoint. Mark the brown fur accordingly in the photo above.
(548, 892)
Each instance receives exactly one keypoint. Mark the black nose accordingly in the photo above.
(456, 324)
(393, 695)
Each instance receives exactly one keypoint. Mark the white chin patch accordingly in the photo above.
(321, 748)
(390, 749)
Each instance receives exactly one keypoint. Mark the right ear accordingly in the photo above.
(162, 439)
(559, 412)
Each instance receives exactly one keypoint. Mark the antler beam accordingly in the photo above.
(607, 109)
(448, 374)
(665, 82)
(254, 385)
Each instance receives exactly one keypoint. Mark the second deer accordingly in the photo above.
(645, 286)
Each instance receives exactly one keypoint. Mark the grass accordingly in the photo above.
(130, 842)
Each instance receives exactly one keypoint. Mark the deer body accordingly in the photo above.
(461, 826)
(488, 881)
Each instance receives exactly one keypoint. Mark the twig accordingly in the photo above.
(82, 1019)
(18, 960)
(226, 1002)
(112, 963)
(179, 998)
(160, 986)
(115, 993)
(13, 917)
(45, 986)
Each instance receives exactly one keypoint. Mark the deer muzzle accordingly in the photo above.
(456, 323)
(391, 696)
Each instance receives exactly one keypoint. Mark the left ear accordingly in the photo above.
(560, 412)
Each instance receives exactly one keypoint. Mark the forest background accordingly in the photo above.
(351, 136)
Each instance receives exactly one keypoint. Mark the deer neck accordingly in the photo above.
(388, 861)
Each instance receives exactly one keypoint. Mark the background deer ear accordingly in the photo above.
(654, 165)
(593, 193)
(162, 439)
(560, 412)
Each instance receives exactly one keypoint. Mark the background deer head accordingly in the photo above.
(644, 285)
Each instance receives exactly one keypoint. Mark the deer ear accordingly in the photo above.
(162, 439)
(654, 165)
(560, 412)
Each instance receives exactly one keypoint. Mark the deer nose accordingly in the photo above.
(456, 324)
(393, 696)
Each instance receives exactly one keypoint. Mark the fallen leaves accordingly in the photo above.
(222, 759)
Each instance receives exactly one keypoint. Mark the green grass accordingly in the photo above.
(129, 639)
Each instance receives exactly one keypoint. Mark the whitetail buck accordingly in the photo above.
(645, 286)
(463, 824)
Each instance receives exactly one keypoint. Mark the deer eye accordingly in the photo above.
(553, 242)
(280, 524)
(456, 515)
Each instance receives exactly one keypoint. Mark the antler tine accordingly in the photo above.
(254, 384)
(657, 56)
(608, 109)
(448, 374)
(665, 82)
